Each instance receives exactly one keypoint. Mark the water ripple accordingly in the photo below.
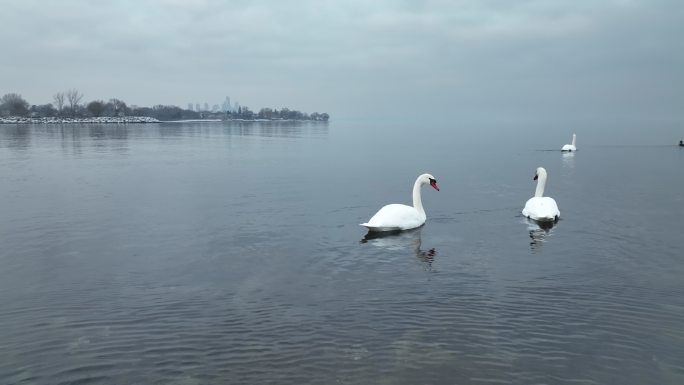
(223, 264)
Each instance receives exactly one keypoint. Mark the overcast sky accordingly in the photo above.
(354, 58)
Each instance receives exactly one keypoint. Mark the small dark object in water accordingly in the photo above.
(681, 143)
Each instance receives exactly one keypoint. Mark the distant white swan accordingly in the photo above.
(539, 207)
(570, 147)
(402, 217)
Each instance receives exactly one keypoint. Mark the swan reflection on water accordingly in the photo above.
(400, 241)
(538, 232)
(568, 159)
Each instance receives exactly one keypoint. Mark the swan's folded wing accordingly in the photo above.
(396, 217)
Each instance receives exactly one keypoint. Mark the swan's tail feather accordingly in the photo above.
(380, 228)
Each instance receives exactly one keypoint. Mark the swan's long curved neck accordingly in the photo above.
(417, 202)
(574, 138)
(541, 183)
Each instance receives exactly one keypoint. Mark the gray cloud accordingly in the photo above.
(353, 58)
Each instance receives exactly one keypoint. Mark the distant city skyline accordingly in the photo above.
(224, 107)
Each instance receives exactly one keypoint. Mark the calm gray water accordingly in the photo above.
(206, 253)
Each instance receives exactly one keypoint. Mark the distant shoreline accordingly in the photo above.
(131, 120)
(100, 120)
(238, 120)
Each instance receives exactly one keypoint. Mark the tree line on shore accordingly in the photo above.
(68, 105)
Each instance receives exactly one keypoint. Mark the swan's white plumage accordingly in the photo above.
(570, 147)
(395, 217)
(539, 207)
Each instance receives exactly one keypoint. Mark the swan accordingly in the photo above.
(539, 207)
(570, 147)
(402, 217)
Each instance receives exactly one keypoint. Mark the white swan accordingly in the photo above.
(539, 207)
(402, 217)
(570, 147)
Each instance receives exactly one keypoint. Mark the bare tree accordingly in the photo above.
(59, 101)
(96, 107)
(118, 107)
(74, 97)
(13, 105)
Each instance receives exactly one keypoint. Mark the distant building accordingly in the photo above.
(190, 106)
(236, 106)
(226, 105)
(197, 107)
(206, 106)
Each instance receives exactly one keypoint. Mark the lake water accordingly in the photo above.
(204, 253)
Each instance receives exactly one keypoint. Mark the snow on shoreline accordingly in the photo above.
(193, 121)
(128, 119)
(115, 120)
